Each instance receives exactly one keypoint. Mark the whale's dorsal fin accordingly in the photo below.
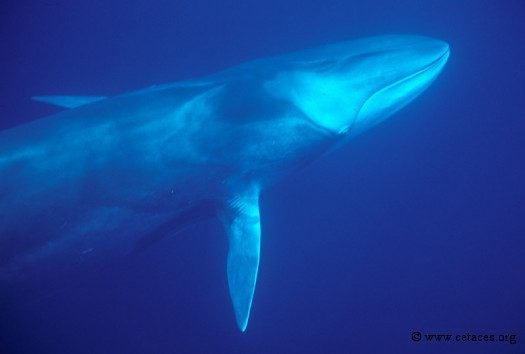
(69, 101)
(242, 223)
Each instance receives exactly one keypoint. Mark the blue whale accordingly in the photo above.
(110, 176)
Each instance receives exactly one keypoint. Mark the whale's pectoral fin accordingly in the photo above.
(242, 223)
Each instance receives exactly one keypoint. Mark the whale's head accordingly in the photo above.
(351, 86)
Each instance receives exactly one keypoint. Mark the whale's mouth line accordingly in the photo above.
(442, 58)
(437, 62)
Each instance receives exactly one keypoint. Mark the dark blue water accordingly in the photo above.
(417, 225)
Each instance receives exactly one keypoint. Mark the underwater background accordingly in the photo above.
(418, 225)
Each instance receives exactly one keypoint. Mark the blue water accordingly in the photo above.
(417, 225)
